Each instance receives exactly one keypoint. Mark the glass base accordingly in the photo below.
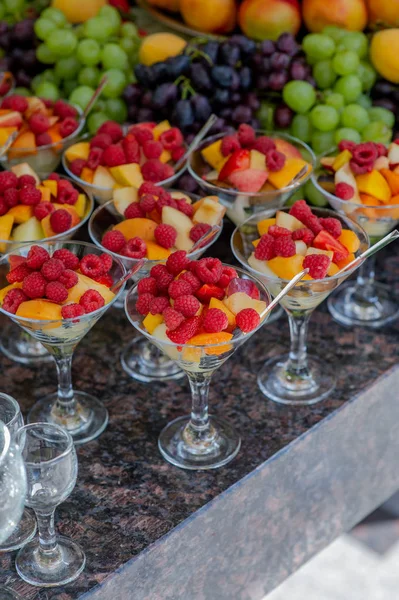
(348, 308)
(313, 387)
(22, 534)
(8, 594)
(220, 447)
(145, 362)
(87, 423)
(19, 346)
(68, 567)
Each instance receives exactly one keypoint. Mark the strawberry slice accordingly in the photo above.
(325, 241)
(238, 161)
(250, 180)
(208, 291)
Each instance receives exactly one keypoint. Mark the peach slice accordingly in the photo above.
(39, 309)
(128, 175)
(286, 268)
(6, 224)
(21, 213)
(80, 150)
(374, 184)
(205, 339)
(160, 129)
(138, 227)
(156, 252)
(52, 185)
(263, 226)
(212, 154)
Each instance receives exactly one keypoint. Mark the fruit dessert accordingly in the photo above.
(253, 163)
(31, 209)
(6, 83)
(156, 222)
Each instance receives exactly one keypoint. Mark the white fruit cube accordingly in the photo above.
(257, 160)
(240, 300)
(25, 169)
(29, 231)
(393, 154)
(183, 225)
(260, 266)
(181, 196)
(102, 178)
(123, 197)
(210, 212)
(345, 175)
(328, 253)
(300, 247)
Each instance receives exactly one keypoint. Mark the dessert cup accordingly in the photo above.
(140, 359)
(7, 84)
(241, 205)
(198, 441)
(81, 414)
(295, 378)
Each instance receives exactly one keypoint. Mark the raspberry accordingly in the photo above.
(76, 167)
(364, 154)
(171, 139)
(228, 273)
(162, 276)
(149, 188)
(152, 149)
(185, 207)
(153, 170)
(30, 196)
(68, 126)
(63, 110)
(304, 234)
(158, 305)
(346, 145)
(208, 291)
(70, 311)
(215, 320)
(105, 280)
(34, 285)
(147, 203)
(94, 159)
(332, 225)
(142, 134)
(188, 305)
(18, 274)
(52, 269)
(209, 270)
(284, 246)
(172, 318)
(246, 135)
(185, 331)
(101, 140)
(26, 180)
(192, 280)
(165, 201)
(135, 248)
(113, 156)
(344, 191)
(47, 102)
(177, 262)
(113, 129)
(107, 262)
(66, 193)
(360, 169)
(70, 260)
(91, 301)
(264, 144)
(313, 223)
(18, 103)
(381, 150)
(13, 299)
(276, 231)
(143, 303)
(7, 180)
(134, 210)
(56, 292)
(230, 143)
(39, 123)
(177, 153)
(43, 139)
(247, 319)
(265, 249)
(179, 287)
(68, 278)
(275, 160)
(60, 220)
(131, 150)
(318, 265)
(300, 210)
(165, 235)
(148, 285)
(54, 177)
(11, 197)
(37, 256)
(3, 207)
(91, 265)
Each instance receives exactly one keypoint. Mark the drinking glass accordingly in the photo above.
(52, 468)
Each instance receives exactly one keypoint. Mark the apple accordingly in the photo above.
(102, 178)
(25, 169)
(242, 285)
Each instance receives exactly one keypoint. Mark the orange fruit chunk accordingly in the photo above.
(207, 339)
(349, 239)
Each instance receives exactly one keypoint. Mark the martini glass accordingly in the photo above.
(81, 414)
(295, 378)
(198, 441)
(363, 301)
(14, 342)
(140, 359)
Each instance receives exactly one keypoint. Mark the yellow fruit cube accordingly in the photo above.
(6, 224)
(208, 339)
(256, 242)
(263, 226)
(341, 160)
(21, 213)
(152, 321)
(87, 175)
(42, 310)
(51, 184)
(165, 156)
(213, 154)
(127, 175)
(80, 205)
(286, 267)
(46, 193)
(160, 129)
(156, 252)
(80, 150)
(292, 167)
(349, 239)
(332, 269)
(375, 185)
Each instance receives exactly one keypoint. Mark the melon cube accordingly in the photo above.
(123, 197)
(128, 175)
(210, 212)
(30, 231)
(240, 300)
(288, 221)
(103, 178)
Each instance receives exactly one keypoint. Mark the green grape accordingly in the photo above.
(43, 28)
(345, 62)
(22, 91)
(334, 32)
(347, 133)
(36, 81)
(69, 85)
(324, 118)
(89, 76)
(321, 141)
(128, 46)
(367, 75)
(356, 41)
(265, 115)
(62, 44)
(116, 109)
(100, 105)
(299, 96)
(44, 54)
(2, 52)
(67, 68)
(116, 83)
(14, 6)
(2, 11)
(95, 120)
(113, 17)
(88, 53)
(301, 127)
(298, 195)
(55, 15)
(355, 117)
(113, 57)
(377, 132)
(98, 28)
(80, 31)
(318, 46)
(324, 74)
(335, 100)
(364, 101)
(81, 96)
(48, 90)
(378, 113)
(313, 195)
(50, 75)
(349, 86)
(129, 30)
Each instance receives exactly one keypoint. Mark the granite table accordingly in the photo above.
(303, 475)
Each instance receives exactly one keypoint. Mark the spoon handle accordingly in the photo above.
(128, 276)
(372, 250)
(95, 96)
(198, 138)
(285, 291)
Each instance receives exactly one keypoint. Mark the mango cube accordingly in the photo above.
(263, 226)
(80, 150)
(374, 184)
(213, 154)
(128, 175)
(286, 267)
(292, 167)
(152, 321)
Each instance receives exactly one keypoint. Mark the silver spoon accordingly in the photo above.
(118, 284)
(292, 283)
(372, 250)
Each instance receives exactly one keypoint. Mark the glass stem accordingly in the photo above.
(199, 435)
(366, 280)
(298, 364)
(48, 549)
(66, 400)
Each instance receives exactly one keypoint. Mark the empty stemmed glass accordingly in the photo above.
(51, 467)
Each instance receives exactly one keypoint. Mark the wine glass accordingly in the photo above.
(52, 468)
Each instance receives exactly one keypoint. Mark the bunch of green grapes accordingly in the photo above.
(12, 11)
(80, 56)
(342, 108)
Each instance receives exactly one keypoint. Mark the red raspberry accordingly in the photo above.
(313, 223)
(30, 196)
(101, 140)
(63, 110)
(188, 329)
(39, 123)
(106, 279)
(113, 156)
(143, 303)
(148, 285)
(209, 270)
(18, 274)
(94, 159)
(284, 246)
(134, 210)
(3, 207)
(171, 139)
(91, 301)
(34, 285)
(131, 149)
(60, 220)
(265, 249)
(43, 139)
(318, 265)
(177, 262)
(165, 235)
(364, 154)
(360, 169)
(185, 207)
(37, 256)
(198, 231)
(147, 203)
(153, 170)
(179, 287)
(18, 103)
(346, 145)
(339, 256)
(11, 197)
(68, 278)
(71, 311)
(13, 299)
(188, 305)
(107, 262)
(344, 191)
(172, 318)
(66, 193)
(165, 201)
(209, 291)
(152, 149)
(52, 269)
(275, 160)
(56, 292)
(68, 126)
(149, 188)
(381, 150)
(70, 260)
(332, 225)
(91, 265)
(215, 320)
(158, 305)
(264, 144)
(247, 319)
(276, 231)
(142, 134)
(300, 210)
(54, 177)
(162, 276)
(228, 273)
(26, 180)
(304, 234)
(192, 280)
(230, 143)
(113, 129)
(135, 248)
(246, 135)
(76, 167)
(177, 153)
(8, 179)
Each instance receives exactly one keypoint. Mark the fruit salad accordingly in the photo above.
(32, 209)
(154, 221)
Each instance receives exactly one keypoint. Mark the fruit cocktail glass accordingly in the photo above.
(81, 414)
(198, 441)
(241, 205)
(15, 343)
(140, 359)
(363, 301)
(295, 378)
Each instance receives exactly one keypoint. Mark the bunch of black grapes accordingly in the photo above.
(18, 43)
(386, 94)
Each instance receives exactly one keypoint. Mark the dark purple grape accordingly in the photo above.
(229, 54)
(286, 43)
(142, 74)
(218, 126)
(18, 57)
(23, 33)
(235, 98)
(257, 62)
(382, 88)
(5, 63)
(283, 116)
(235, 82)
(226, 113)
(146, 99)
(22, 78)
(202, 108)
(200, 78)
(178, 65)
(246, 45)
(222, 75)
(221, 97)
(183, 114)
(245, 78)
(160, 72)
(310, 80)
(267, 48)
(266, 65)
(164, 95)
(386, 103)
(252, 101)
(187, 183)
(279, 61)
(132, 112)
(132, 93)
(255, 123)
(145, 114)
(211, 49)
(4, 27)
(277, 80)
(242, 114)
(29, 61)
(262, 82)
(189, 137)
(298, 71)
(395, 96)
(5, 41)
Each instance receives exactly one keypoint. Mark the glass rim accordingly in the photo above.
(16, 407)
(7, 442)
(32, 426)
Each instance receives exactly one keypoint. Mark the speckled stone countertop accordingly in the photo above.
(303, 475)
